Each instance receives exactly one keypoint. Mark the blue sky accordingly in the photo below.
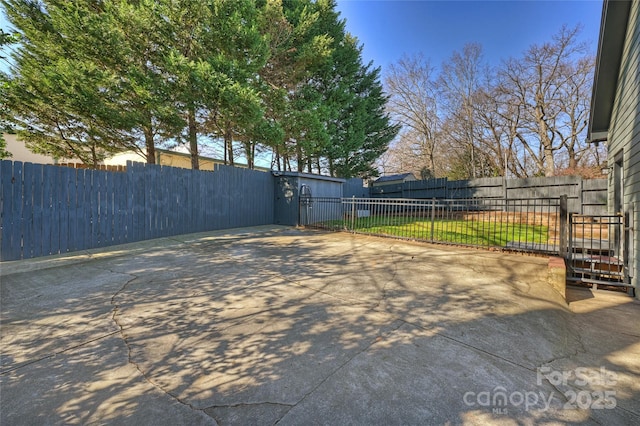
(389, 28)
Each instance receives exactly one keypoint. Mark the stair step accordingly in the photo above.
(598, 282)
(604, 272)
(603, 260)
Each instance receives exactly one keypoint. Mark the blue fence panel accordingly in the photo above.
(51, 209)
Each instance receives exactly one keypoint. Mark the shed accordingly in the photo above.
(287, 194)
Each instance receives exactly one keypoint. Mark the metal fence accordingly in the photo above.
(597, 250)
(528, 225)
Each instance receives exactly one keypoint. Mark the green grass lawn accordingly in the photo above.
(450, 231)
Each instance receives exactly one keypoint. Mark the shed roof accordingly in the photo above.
(390, 178)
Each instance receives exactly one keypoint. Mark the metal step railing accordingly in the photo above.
(596, 253)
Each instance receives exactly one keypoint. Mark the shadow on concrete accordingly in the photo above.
(305, 327)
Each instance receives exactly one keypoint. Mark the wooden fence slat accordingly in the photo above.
(176, 200)
(63, 206)
(16, 206)
(37, 210)
(240, 189)
(130, 194)
(191, 207)
(103, 221)
(28, 241)
(138, 181)
(75, 211)
(154, 195)
(147, 202)
(54, 208)
(87, 195)
(172, 204)
(5, 168)
(91, 202)
(201, 199)
(195, 201)
(80, 212)
(169, 177)
(120, 199)
(120, 204)
(110, 211)
(210, 199)
(7, 183)
(94, 203)
(185, 206)
(47, 176)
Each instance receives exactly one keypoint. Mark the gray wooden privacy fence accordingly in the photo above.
(47, 209)
(585, 196)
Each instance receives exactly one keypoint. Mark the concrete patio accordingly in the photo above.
(280, 325)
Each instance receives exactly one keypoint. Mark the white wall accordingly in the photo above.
(19, 152)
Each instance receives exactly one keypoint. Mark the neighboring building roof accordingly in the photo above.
(170, 158)
(613, 28)
(392, 178)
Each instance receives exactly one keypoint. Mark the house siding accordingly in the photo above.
(19, 152)
(624, 133)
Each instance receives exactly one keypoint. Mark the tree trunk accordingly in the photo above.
(193, 139)
(299, 155)
(150, 145)
(228, 143)
(277, 159)
(249, 151)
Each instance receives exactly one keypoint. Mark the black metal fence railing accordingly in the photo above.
(597, 250)
(528, 225)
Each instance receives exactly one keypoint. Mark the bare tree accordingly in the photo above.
(413, 103)
(407, 154)
(538, 82)
(459, 83)
(574, 106)
(526, 117)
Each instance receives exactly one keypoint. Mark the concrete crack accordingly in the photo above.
(389, 281)
(86, 342)
(341, 366)
(114, 317)
(248, 404)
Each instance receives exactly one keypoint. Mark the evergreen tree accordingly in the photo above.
(93, 78)
(5, 40)
(297, 48)
(61, 97)
(358, 128)
(215, 49)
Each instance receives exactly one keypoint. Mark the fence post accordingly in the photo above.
(564, 226)
(353, 213)
(581, 195)
(433, 216)
(505, 187)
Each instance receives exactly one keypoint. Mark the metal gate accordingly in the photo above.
(598, 252)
